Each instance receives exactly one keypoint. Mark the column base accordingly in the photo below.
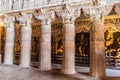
(21, 65)
(44, 69)
(68, 71)
(6, 63)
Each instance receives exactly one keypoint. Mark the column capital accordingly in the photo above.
(26, 20)
(97, 23)
(96, 14)
(68, 16)
(44, 15)
(9, 21)
(68, 13)
(46, 21)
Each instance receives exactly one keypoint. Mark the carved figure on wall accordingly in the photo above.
(60, 46)
(112, 39)
(82, 43)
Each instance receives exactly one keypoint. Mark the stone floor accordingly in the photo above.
(19, 73)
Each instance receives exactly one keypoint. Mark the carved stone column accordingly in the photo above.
(68, 64)
(45, 45)
(26, 41)
(45, 42)
(9, 45)
(97, 47)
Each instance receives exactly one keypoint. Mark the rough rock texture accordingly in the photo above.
(19, 73)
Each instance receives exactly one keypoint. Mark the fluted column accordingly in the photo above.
(26, 33)
(45, 45)
(68, 63)
(97, 47)
(9, 45)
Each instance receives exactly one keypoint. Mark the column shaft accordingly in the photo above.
(97, 48)
(45, 47)
(68, 64)
(9, 46)
(26, 46)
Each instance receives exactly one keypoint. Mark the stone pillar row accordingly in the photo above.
(45, 44)
(97, 58)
